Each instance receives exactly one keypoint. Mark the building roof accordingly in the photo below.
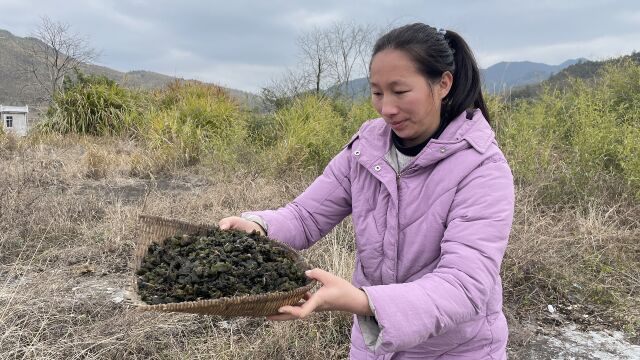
(14, 109)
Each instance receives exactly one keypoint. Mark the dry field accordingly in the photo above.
(68, 209)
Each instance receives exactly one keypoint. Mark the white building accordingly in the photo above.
(14, 119)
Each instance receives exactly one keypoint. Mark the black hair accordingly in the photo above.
(435, 52)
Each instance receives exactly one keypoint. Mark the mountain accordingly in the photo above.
(356, 88)
(497, 78)
(12, 82)
(14, 89)
(504, 76)
(583, 70)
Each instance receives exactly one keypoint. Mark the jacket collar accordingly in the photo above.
(475, 131)
(375, 139)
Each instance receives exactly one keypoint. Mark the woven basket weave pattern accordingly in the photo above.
(155, 229)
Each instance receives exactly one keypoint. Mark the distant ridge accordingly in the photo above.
(498, 78)
(14, 89)
(506, 75)
(583, 70)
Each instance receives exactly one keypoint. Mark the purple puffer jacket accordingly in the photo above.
(430, 240)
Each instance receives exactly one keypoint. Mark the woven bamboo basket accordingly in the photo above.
(155, 229)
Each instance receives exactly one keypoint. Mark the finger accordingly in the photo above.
(303, 310)
(292, 312)
(306, 296)
(224, 224)
(320, 275)
(281, 317)
(304, 299)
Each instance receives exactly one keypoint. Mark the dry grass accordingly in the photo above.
(68, 207)
(582, 260)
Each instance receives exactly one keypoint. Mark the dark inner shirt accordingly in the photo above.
(415, 149)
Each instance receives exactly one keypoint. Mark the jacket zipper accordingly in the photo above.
(398, 225)
(398, 176)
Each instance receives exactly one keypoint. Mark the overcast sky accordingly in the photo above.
(244, 44)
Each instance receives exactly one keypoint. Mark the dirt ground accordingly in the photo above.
(66, 239)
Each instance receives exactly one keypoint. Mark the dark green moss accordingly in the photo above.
(219, 264)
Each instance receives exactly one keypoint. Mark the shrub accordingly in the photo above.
(195, 121)
(310, 135)
(93, 105)
(263, 131)
(527, 133)
(359, 112)
(578, 143)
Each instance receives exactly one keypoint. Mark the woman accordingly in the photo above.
(431, 197)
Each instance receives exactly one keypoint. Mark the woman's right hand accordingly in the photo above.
(238, 223)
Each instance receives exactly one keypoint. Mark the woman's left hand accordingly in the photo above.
(335, 294)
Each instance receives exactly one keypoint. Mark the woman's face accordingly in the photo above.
(404, 98)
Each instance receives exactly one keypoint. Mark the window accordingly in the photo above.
(9, 120)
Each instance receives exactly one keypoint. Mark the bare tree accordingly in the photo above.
(364, 50)
(55, 53)
(281, 90)
(329, 57)
(314, 46)
(348, 52)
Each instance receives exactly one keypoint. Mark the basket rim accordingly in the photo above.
(139, 253)
(258, 298)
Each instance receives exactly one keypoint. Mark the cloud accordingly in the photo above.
(107, 9)
(180, 55)
(303, 19)
(631, 17)
(246, 43)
